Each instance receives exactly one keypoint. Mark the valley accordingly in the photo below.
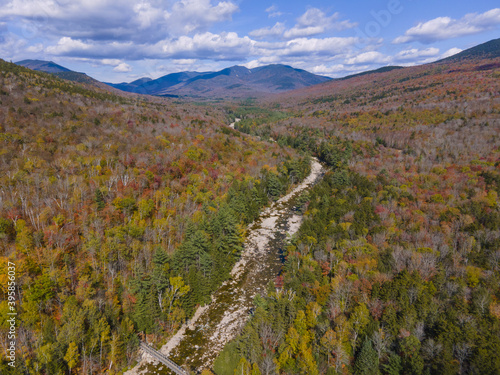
(304, 225)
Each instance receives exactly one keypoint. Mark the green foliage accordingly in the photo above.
(367, 362)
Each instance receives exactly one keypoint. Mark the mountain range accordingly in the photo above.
(236, 81)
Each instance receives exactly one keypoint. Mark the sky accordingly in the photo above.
(123, 40)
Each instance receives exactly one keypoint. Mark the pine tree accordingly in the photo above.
(99, 200)
(393, 365)
(367, 360)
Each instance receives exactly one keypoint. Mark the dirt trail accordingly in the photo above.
(197, 344)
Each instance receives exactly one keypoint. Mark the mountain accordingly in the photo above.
(124, 86)
(379, 70)
(235, 81)
(388, 80)
(59, 71)
(489, 49)
(43, 66)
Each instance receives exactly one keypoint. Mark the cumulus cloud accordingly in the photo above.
(195, 15)
(122, 20)
(276, 31)
(414, 53)
(318, 47)
(370, 57)
(451, 52)
(224, 46)
(112, 62)
(123, 68)
(313, 22)
(442, 28)
(327, 70)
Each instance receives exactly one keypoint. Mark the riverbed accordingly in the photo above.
(197, 344)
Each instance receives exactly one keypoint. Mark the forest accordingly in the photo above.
(395, 267)
(121, 214)
(124, 213)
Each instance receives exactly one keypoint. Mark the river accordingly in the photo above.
(197, 344)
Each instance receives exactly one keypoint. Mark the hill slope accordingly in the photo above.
(396, 266)
(59, 71)
(490, 49)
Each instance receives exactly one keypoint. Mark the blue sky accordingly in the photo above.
(122, 40)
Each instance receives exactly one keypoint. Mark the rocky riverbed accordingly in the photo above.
(197, 344)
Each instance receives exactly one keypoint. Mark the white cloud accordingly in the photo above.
(194, 15)
(315, 46)
(123, 68)
(451, 52)
(414, 53)
(314, 21)
(145, 21)
(224, 46)
(112, 62)
(10, 45)
(184, 61)
(276, 31)
(371, 57)
(339, 70)
(273, 11)
(327, 70)
(442, 28)
(299, 32)
(265, 60)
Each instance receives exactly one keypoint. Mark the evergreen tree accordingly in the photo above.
(367, 360)
(99, 200)
(393, 365)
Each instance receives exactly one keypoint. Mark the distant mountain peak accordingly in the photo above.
(43, 66)
(229, 82)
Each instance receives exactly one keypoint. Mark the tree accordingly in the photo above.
(255, 370)
(72, 356)
(99, 200)
(243, 367)
(174, 292)
(104, 335)
(412, 361)
(367, 360)
(45, 354)
(393, 365)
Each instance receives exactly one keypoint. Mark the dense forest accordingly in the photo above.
(121, 215)
(395, 269)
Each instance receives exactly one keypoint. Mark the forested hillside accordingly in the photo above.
(395, 269)
(121, 215)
